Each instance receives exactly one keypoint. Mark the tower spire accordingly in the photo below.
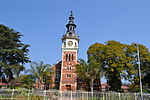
(71, 28)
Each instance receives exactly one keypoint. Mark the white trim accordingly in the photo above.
(61, 71)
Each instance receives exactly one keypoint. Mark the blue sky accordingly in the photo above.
(42, 22)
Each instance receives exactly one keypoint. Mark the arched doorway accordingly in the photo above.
(68, 87)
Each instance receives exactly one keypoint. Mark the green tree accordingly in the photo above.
(111, 56)
(133, 74)
(13, 53)
(89, 72)
(119, 61)
(25, 81)
(42, 72)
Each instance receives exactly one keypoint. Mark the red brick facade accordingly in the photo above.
(68, 75)
(65, 77)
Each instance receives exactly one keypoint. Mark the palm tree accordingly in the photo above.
(16, 71)
(41, 72)
(88, 71)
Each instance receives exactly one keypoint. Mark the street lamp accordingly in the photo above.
(138, 54)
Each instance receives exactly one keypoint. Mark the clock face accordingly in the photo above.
(70, 43)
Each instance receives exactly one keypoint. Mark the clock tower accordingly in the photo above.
(70, 41)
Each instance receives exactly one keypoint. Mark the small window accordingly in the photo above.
(70, 34)
(68, 68)
(57, 75)
(75, 44)
(68, 75)
(57, 79)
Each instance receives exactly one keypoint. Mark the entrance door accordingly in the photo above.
(68, 87)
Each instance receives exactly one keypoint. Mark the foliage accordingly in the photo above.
(89, 72)
(42, 72)
(146, 76)
(136, 88)
(119, 61)
(13, 53)
(146, 80)
(26, 81)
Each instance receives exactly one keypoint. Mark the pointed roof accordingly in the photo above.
(71, 34)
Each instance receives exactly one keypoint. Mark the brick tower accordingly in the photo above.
(70, 40)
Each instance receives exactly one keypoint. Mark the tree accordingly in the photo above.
(144, 63)
(13, 53)
(111, 58)
(42, 73)
(25, 81)
(119, 61)
(89, 72)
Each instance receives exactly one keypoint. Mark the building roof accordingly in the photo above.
(3, 84)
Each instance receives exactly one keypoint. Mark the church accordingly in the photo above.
(65, 77)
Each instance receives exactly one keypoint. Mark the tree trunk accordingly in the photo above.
(92, 86)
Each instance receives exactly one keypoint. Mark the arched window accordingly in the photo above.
(75, 44)
(71, 28)
(69, 57)
(66, 57)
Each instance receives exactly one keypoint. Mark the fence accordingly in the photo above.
(23, 94)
